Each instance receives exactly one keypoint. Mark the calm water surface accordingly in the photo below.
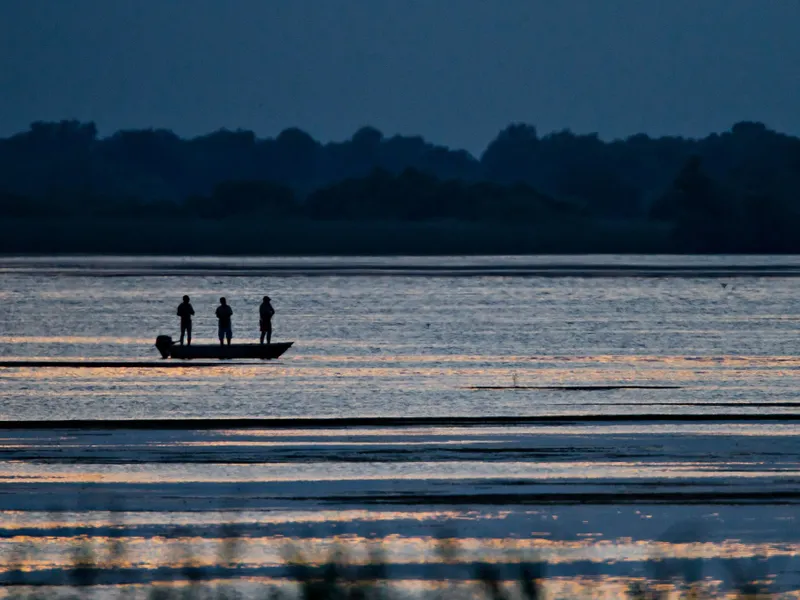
(412, 338)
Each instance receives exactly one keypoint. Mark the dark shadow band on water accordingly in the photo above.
(769, 497)
(644, 404)
(576, 388)
(345, 422)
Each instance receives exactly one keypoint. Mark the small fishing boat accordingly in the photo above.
(169, 349)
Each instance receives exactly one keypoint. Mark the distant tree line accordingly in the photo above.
(738, 191)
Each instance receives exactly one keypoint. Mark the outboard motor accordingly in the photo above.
(163, 344)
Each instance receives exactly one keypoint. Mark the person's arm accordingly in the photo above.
(191, 310)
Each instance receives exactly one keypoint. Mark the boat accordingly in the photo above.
(169, 349)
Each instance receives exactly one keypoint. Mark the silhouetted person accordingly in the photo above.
(224, 314)
(265, 313)
(185, 312)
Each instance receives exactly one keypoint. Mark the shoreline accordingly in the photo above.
(403, 265)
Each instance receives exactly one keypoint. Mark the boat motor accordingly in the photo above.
(164, 343)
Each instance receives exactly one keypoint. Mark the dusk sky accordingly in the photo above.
(454, 71)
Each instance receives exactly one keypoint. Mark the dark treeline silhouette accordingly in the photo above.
(738, 191)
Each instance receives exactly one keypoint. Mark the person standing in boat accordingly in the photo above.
(265, 313)
(185, 312)
(224, 314)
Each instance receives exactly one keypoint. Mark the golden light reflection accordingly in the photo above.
(85, 340)
(43, 520)
(152, 552)
(231, 472)
(435, 372)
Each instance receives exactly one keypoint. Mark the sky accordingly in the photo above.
(454, 71)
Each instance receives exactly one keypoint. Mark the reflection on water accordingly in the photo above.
(572, 542)
(270, 552)
(597, 502)
(435, 384)
(179, 493)
(451, 471)
(400, 345)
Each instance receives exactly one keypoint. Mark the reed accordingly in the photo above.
(334, 576)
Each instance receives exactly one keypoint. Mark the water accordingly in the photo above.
(711, 449)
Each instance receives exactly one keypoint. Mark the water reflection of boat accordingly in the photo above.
(169, 349)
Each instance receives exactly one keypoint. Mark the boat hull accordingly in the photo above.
(170, 349)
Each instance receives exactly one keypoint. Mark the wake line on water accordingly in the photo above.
(123, 364)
